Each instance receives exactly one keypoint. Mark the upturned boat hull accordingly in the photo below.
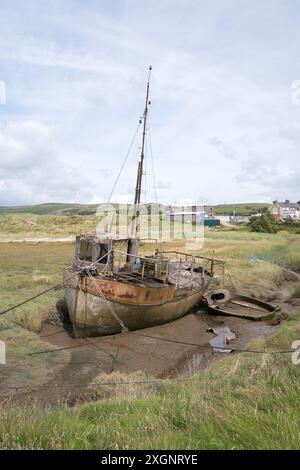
(96, 305)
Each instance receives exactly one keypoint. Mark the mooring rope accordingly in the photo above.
(124, 329)
(13, 307)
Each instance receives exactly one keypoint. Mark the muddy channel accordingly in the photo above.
(158, 352)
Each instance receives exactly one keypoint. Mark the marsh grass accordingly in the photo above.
(255, 260)
(282, 249)
(26, 270)
(20, 226)
(296, 292)
(245, 401)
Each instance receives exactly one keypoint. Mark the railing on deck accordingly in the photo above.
(207, 264)
(206, 261)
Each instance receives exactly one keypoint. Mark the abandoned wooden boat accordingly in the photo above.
(108, 298)
(235, 305)
(110, 287)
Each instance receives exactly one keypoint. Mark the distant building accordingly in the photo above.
(209, 211)
(286, 211)
(184, 213)
(211, 222)
(240, 219)
(199, 214)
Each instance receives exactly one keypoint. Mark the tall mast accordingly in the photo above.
(138, 188)
(133, 242)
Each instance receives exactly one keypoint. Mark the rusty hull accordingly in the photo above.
(121, 291)
(137, 306)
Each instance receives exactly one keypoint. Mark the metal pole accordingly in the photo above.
(192, 270)
(133, 246)
(179, 271)
(143, 269)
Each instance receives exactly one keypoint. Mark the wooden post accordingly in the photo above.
(2, 353)
(192, 270)
(119, 263)
(75, 307)
(143, 269)
(179, 271)
(194, 219)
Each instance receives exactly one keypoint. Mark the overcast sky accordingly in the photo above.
(225, 92)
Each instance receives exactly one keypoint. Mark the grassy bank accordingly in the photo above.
(20, 227)
(247, 208)
(90, 209)
(243, 401)
(281, 249)
(51, 209)
(26, 270)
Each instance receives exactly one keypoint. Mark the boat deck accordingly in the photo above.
(183, 276)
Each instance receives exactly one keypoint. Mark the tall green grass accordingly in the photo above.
(246, 208)
(281, 249)
(245, 401)
(26, 270)
(242, 402)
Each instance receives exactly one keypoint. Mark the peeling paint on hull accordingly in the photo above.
(91, 314)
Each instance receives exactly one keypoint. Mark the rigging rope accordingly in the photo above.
(98, 321)
(156, 381)
(205, 346)
(168, 381)
(145, 168)
(53, 287)
(124, 161)
(152, 163)
(229, 276)
(284, 351)
(124, 329)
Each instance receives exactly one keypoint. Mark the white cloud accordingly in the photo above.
(23, 144)
(223, 125)
(30, 167)
(2, 92)
(50, 54)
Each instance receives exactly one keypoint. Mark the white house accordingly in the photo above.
(286, 211)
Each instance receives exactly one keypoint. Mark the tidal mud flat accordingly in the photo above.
(156, 352)
(174, 350)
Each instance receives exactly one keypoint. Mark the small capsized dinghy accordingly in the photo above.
(223, 302)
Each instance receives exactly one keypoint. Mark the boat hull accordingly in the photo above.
(93, 313)
(240, 306)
